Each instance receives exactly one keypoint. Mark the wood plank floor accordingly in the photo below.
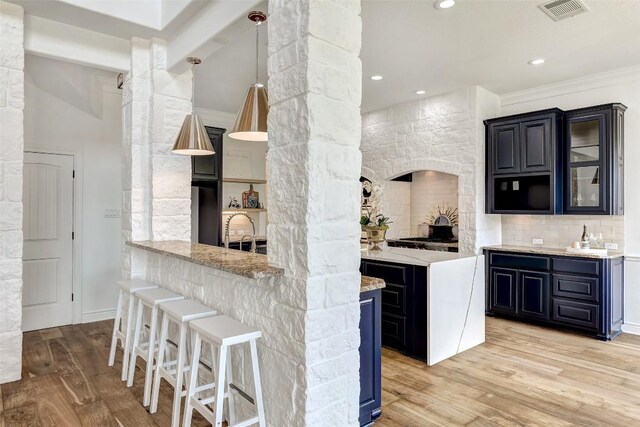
(66, 382)
(523, 375)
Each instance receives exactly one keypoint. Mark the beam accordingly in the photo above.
(209, 31)
(53, 39)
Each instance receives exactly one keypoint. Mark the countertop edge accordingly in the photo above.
(549, 251)
(270, 271)
(368, 283)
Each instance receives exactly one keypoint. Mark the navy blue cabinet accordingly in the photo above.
(578, 293)
(404, 302)
(554, 162)
(370, 357)
(523, 158)
(593, 167)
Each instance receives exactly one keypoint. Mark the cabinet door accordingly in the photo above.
(503, 290)
(370, 356)
(536, 145)
(586, 176)
(505, 148)
(209, 168)
(533, 294)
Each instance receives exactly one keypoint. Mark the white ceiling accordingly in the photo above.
(477, 42)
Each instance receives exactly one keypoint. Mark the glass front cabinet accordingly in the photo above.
(593, 166)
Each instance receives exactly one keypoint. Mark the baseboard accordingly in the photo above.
(631, 328)
(96, 316)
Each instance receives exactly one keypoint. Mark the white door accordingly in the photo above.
(47, 227)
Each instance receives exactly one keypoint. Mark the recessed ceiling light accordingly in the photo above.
(421, 92)
(376, 77)
(538, 61)
(444, 4)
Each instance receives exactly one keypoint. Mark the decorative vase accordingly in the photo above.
(376, 236)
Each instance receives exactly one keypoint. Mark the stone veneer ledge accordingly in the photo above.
(246, 264)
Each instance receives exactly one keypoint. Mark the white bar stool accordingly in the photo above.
(222, 332)
(127, 288)
(180, 313)
(148, 299)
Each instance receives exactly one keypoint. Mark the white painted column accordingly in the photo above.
(11, 164)
(156, 183)
(314, 161)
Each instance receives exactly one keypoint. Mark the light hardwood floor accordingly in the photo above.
(523, 375)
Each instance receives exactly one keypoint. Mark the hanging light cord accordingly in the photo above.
(193, 87)
(257, 48)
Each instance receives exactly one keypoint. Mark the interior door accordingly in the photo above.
(47, 253)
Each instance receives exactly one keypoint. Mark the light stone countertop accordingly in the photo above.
(371, 283)
(247, 264)
(541, 250)
(410, 256)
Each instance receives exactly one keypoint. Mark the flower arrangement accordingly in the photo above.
(371, 217)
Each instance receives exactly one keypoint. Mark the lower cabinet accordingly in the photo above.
(370, 357)
(404, 305)
(577, 293)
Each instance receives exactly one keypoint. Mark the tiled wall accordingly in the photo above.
(430, 189)
(560, 230)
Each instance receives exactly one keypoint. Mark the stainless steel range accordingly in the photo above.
(426, 243)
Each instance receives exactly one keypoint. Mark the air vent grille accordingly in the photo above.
(561, 9)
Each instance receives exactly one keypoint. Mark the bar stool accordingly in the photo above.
(127, 288)
(221, 333)
(147, 299)
(180, 313)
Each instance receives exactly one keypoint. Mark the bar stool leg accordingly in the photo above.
(149, 369)
(231, 403)
(219, 391)
(257, 383)
(136, 341)
(177, 390)
(116, 329)
(127, 338)
(162, 345)
(193, 380)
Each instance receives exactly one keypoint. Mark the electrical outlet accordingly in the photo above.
(613, 246)
(112, 213)
(232, 232)
(537, 241)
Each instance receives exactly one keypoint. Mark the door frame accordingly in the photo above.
(76, 223)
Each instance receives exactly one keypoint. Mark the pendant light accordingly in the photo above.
(251, 123)
(192, 140)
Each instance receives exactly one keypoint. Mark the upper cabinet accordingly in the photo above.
(553, 162)
(593, 167)
(522, 154)
(209, 168)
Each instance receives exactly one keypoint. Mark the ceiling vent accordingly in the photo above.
(562, 9)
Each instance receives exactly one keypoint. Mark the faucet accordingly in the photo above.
(226, 231)
(253, 242)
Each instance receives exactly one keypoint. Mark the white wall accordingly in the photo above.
(618, 86)
(68, 108)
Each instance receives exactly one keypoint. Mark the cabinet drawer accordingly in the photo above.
(575, 313)
(526, 262)
(397, 274)
(394, 331)
(576, 287)
(394, 299)
(569, 265)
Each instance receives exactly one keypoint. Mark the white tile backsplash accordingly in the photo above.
(560, 230)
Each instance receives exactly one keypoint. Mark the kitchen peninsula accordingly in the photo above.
(433, 304)
(245, 286)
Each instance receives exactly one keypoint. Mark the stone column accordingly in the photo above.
(314, 162)
(11, 164)
(156, 183)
